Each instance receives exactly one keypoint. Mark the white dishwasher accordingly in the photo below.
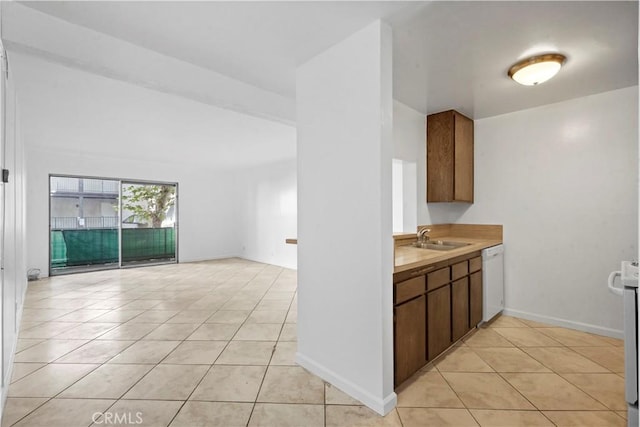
(492, 282)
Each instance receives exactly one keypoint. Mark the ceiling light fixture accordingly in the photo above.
(536, 69)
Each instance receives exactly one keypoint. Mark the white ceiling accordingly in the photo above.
(257, 42)
(456, 54)
(446, 54)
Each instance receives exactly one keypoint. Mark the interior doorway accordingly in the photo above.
(103, 223)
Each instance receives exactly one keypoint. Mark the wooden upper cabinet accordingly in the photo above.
(449, 157)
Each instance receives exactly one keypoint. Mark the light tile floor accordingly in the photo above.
(212, 344)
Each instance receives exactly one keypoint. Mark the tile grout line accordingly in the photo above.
(451, 387)
(201, 379)
(562, 345)
(225, 347)
(513, 387)
(48, 399)
(454, 390)
(184, 283)
(504, 379)
(562, 375)
(253, 407)
(100, 364)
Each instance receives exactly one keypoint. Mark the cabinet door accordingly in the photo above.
(410, 338)
(440, 146)
(459, 308)
(475, 299)
(438, 321)
(463, 158)
(449, 157)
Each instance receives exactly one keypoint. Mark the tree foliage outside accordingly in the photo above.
(149, 202)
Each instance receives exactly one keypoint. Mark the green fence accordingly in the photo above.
(58, 250)
(146, 244)
(89, 247)
(71, 248)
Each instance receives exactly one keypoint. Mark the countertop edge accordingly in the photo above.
(432, 256)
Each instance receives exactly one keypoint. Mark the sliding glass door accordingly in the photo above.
(107, 223)
(83, 223)
(149, 224)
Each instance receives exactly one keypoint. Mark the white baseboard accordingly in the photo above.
(585, 327)
(381, 406)
(270, 262)
(208, 258)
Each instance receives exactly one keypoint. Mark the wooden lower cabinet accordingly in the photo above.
(410, 338)
(475, 299)
(438, 321)
(433, 308)
(459, 308)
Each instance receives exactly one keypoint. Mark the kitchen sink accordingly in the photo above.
(440, 245)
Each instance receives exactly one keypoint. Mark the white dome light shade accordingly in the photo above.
(537, 69)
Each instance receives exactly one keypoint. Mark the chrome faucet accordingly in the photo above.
(423, 237)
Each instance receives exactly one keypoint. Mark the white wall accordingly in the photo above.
(208, 224)
(13, 236)
(397, 194)
(109, 56)
(268, 211)
(563, 180)
(409, 136)
(84, 124)
(408, 130)
(345, 255)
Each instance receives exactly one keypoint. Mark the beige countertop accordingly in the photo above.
(479, 236)
(409, 257)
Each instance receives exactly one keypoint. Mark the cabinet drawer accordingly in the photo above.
(459, 270)
(438, 278)
(409, 289)
(475, 264)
